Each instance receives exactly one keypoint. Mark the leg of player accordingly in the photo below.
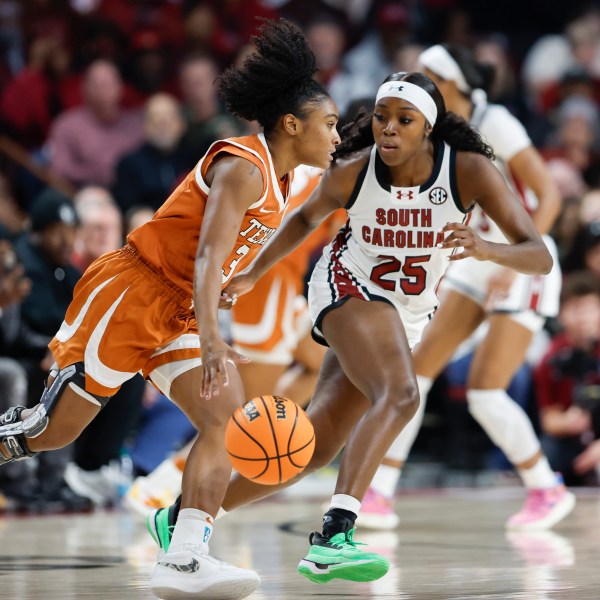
(298, 382)
(496, 361)
(260, 378)
(440, 339)
(187, 568)
(370, 342)
(334, 410)
(64, 410)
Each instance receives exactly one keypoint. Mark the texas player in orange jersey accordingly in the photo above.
(271, 324)
(152, 305)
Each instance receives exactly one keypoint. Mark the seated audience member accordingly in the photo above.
(207, 120)
(45, 253)
(86, 142)
(568, 383)
(151, 172)
(101, 228)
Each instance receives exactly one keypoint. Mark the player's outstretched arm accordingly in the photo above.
(479, 181)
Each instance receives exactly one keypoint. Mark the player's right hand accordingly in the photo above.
(215, 356)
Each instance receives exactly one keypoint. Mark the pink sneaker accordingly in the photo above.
(543, 508)
(377, 512)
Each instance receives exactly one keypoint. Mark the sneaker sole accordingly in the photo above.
(557, 515)
(169, 588)
(367, 571)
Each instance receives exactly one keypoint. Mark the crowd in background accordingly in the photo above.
(106, 105)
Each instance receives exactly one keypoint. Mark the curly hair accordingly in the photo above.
(276, 79)
(449, 127)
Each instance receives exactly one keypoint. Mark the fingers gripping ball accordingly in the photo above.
(269, 439)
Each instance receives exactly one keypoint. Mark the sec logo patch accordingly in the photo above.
(438, 195)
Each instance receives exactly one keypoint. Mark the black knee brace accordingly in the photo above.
(14, 431)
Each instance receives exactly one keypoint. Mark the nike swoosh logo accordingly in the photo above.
(262, 210)
(190, 567)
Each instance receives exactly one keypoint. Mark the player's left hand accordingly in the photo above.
(462, 236)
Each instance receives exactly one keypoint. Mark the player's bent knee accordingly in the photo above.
(16, 430)
(404, 399)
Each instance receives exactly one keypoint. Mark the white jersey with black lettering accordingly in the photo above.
(388, 248)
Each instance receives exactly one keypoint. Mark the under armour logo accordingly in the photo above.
(401, 195)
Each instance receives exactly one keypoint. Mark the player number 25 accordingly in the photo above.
(414, 282)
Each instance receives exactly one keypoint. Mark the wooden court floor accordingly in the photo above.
(450, 545)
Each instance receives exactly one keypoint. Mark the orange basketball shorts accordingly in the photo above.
(126, 318)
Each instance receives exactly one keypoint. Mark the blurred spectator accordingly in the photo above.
(101, 228)
(576, 137)
(585, 251)
(45, 253)
(327, 39)
(135, 217)
(571, 187)
(149, 174)
(33, 98)
(12, 218)
(13, 378)
(206, 118)
(85, 143)
(568, 383)
(150, 70)
(372, 57)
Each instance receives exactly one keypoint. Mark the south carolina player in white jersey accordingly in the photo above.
(373, 290)
(514, 306)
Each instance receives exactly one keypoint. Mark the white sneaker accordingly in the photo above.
(158, 489)
(101, 486)
(192, 573)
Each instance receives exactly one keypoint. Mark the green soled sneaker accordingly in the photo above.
(160, 524)
(339, 558)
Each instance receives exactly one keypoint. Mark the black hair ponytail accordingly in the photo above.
(275, 80)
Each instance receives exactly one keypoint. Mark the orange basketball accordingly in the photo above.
(269, 439)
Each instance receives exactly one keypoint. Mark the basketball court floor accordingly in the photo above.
(451, 544)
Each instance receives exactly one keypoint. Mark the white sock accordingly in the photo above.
(540, 476)
(193, 528)
(386, 477)
(505, 422)
(345, 502)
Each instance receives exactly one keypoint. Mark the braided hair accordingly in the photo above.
(449, 127)
(275, 80)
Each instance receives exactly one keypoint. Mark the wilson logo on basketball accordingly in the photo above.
(410, 195)
(250, 411)
(280, 408)
(438, 195)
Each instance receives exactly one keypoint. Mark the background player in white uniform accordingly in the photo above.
(514, 305)
(374, 290)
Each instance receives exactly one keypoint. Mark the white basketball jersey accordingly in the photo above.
(391, 235)
(507, 137)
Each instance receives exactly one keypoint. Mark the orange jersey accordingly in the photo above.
(169, 241)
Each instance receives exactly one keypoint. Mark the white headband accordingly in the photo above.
(411, 93)
(439, 60)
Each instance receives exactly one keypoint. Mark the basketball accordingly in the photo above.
(269, 439)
